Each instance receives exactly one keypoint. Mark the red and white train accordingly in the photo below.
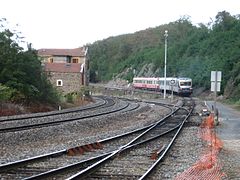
(181, 86)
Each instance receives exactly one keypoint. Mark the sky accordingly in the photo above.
(75, 23)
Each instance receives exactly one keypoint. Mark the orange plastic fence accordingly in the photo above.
(208, 166)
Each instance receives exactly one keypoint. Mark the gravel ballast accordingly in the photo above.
(186, 151)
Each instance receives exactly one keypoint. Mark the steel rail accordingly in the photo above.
(29, 160)
(45, 174)
(12, 165)
(20, 163)
(53, 113)
(100, 158)
(167, 148)
(84, 173)
(52, 123)
(68, 167)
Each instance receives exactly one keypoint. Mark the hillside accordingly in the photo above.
(193, 51)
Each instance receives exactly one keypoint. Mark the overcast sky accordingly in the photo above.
(74, 23)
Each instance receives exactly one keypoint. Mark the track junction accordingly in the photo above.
(112, 157)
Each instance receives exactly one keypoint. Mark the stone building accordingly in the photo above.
(64, 67)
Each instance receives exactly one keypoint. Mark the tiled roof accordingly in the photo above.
(62, 52)
(63, 67)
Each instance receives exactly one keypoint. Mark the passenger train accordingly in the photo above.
(181, 86)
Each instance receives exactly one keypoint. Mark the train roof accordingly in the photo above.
(146, 78)
(162, 78)
(184, 78)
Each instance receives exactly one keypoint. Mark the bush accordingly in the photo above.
(69, 98)
(9, 94)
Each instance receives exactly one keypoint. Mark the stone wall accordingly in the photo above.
(71, 82)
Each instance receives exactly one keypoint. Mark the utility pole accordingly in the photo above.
(165, 64)
(86, 71)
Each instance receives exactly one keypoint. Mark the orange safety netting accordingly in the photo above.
(208, 166)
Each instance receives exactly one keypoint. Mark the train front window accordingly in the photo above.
(185, 83)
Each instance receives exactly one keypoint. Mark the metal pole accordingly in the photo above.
(165, 64)
(215, 94)
(86, 65)
(86, 72)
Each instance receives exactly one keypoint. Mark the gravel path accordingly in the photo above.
(228, 131)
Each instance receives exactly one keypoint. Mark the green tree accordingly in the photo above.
(21, 71)
(193, 51)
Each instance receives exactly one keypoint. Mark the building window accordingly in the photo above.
(75, 60)
(68, 60)
(59, 82)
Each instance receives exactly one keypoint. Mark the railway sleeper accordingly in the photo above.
(156, 152)
(79, 150)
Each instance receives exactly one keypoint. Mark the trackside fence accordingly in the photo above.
(208, 166)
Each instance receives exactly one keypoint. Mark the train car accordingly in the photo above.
(148, 83)
(181, 86)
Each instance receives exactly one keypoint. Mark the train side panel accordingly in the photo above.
(181, 86)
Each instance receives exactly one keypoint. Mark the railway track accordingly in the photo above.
(107, 155)
(133, 160)
(100, 101)
(108, 106)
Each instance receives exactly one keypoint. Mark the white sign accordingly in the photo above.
(213, 76)
(216, 77)
(213, 86)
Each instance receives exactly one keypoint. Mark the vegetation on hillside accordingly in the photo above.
(21, 75)
(193, 51)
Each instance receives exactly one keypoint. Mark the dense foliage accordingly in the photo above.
(21, 76)
(193, 51)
